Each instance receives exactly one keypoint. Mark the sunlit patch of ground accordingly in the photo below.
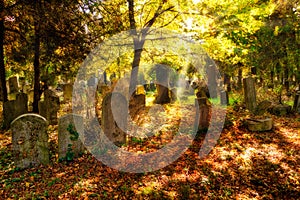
(243, 165)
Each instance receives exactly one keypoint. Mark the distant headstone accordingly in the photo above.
(224, 97)
(13, 84)
(69, 144)
(30, 140)
(296, 106)
(12, 109)
(67, 92)
(203, 113)
(250, 93)
(49, 107)
(162, 84)
(115, 125)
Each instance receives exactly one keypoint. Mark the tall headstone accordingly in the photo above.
(13, 84)
(296, 106)
(12, 109)
(202, 113)
(114, 124)
(224, 97)
(212, 81)
(49, 107)
(250, 93)
(162, 84)
(69, 144)
(30, 140)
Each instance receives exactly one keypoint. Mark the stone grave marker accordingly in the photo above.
(49, 107)
(13, 84)
(69, 143)
(296, 106)
(224, 97)
(259, 124)
(12, 109)
(115, 125)
(30, 140)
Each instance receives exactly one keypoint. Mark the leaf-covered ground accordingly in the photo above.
(243, 165)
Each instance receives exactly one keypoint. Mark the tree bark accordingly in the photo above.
(36, 63)
(2, 64)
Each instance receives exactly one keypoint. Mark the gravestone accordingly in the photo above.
(296, 106)
(30, 141)
(162, 84)
(49, 107)
(13, 84)
(114, 124)
(12, 109)
(212, 81)
(69, 144)
(224, 97)
(280, 109)
(203, 113)
(250, 93)
(67, 92)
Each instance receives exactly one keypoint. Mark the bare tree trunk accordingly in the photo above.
(36, 63)
(2, 65)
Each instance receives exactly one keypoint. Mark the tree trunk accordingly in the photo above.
(36, 63)
(227, 82)
(2, 65)
(240, 76)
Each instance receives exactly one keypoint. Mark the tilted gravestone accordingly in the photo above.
(13, 84)
(12, 109)
(30, 140)
(69, 144)
(114, 124)
(49, 107)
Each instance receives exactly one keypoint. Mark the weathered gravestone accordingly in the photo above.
(296, 107)
(13, 84)
(250, 93)
(262, 107)
(162, 78)
(202, 113)
(30, 140)
(67, 92)
(114, 124)
(224, 97)
(12, 109)
(49, 107)
(69, 143)
(280, 109)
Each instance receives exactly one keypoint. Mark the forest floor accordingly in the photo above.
(242, 165)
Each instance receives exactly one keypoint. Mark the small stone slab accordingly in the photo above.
(68, 136)
(259, 124)
(30, 140)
